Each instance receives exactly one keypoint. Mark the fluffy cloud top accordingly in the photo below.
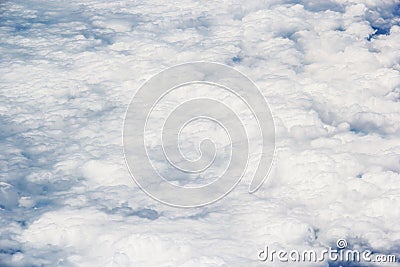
(329, 69)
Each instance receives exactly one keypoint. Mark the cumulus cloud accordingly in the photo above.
(329, 70)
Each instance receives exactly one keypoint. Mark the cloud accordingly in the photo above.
(329, 70)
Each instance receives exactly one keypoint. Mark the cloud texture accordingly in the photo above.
(329, 70)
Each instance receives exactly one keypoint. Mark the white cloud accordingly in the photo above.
(329, 69)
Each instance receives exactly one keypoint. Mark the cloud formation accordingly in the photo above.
(330, 72)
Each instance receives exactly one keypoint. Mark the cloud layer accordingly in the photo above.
(329, 70)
